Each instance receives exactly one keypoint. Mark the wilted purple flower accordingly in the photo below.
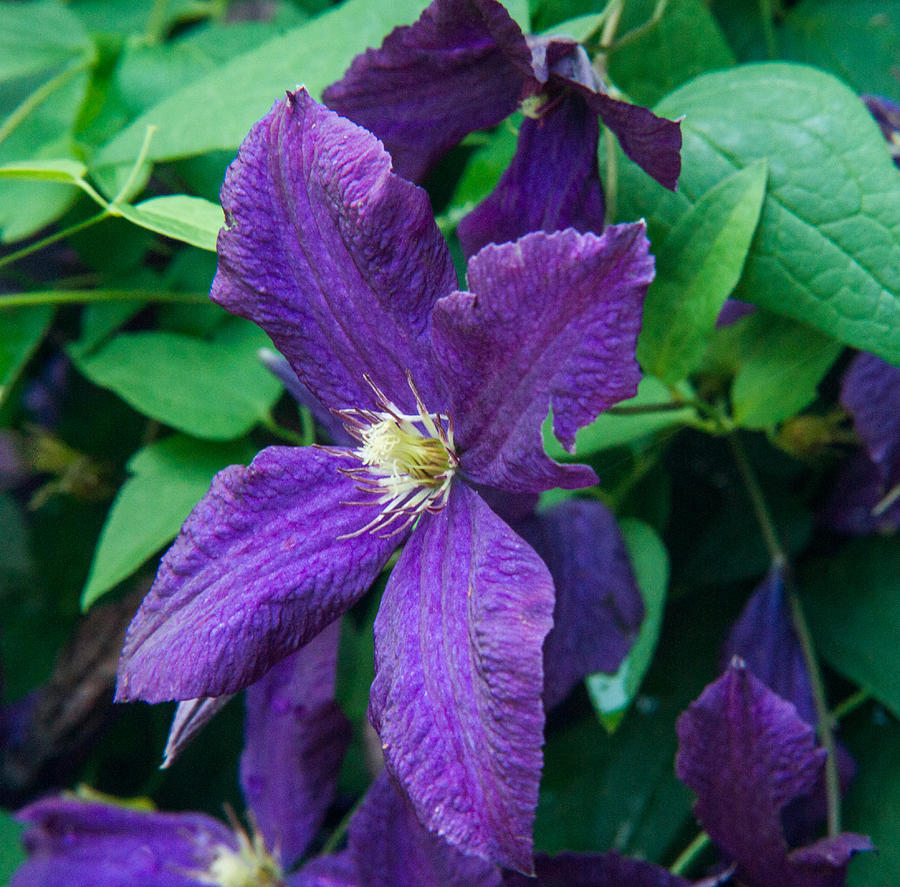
(466, 65)
(341, 263)
(746, 754)
(887, 115)
(295, 739)
(866, 497)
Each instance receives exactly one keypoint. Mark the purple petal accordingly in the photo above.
(260, 567)
(191, 716)
(871, 393)
(598, 609)
(391, 848)
(464, 65)
(732, 311)
(858, 490)
(746, 754)
(653, 143)
(73, 843)
(887, 114)
(824, 864)
(594, 870)
(552, 183)
(764, 638)
(336, 870)
(552, 320)
(458, 678)
(336, 258)
(295, 739)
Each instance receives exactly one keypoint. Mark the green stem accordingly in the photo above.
(611, 185)
(640, 409)
(307, 427)
(156, 22)
(801, 627)
(52, 238)
(66, 297)
(851, 703)
(690, 853)
(634, 33)
(40, 95)
(268, 422)
(132, 175)
(766, 10)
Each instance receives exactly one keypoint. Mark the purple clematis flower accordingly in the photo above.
(340, 261)
(866, 498)
(747, 755)
(887, 115)
(295, 738)
(466, 65)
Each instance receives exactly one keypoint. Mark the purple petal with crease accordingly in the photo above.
(653, 143)
(551, 321)
(552, 183)
(464, 65)
(336, 258)
(295, 740)
(764, 638)
(191, 716)
(747, 754)
(858, 489)
(594, 870)
(72, 843)
(871, 393)
(458, 678)
(599, 608)
(390, 847)
(258, 569)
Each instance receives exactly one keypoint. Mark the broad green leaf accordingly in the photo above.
(697, 267)
(852, 602)
(216, 111)
(35, 37)
(579, 28)
(190, 219)
(782, 364)
(827, 249)
(684, 42)
(872, 805)
(69, 172)
(21, 331)
(215, 389)
(613, 430)
(613, 694)
(858, 42)
(167, 479)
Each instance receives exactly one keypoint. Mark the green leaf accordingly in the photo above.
(827, 249)
(168, 478)
(35, 37)
(684, 42)
(69, 172)
(21, 331)
(613, 430)
(852, 602)
(613, 694)
(858, 42)
(579, 28)
(697, 267)
(781, 367)
(216, 111)
(192, 220)
(214, 389)
(872, 805)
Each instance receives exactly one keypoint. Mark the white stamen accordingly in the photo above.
(408, 460)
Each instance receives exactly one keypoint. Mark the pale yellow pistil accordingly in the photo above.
(251, 865)
(408, 460)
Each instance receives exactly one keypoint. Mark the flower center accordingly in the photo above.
(251, 865)
(408, 460)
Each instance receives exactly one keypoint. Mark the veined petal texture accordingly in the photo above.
(334, 256)
(294, 742)
(594, 870)
(551, 321)
(73, 843)
(390, 847)
(458, 678)
(464, 65)
(261, 565)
